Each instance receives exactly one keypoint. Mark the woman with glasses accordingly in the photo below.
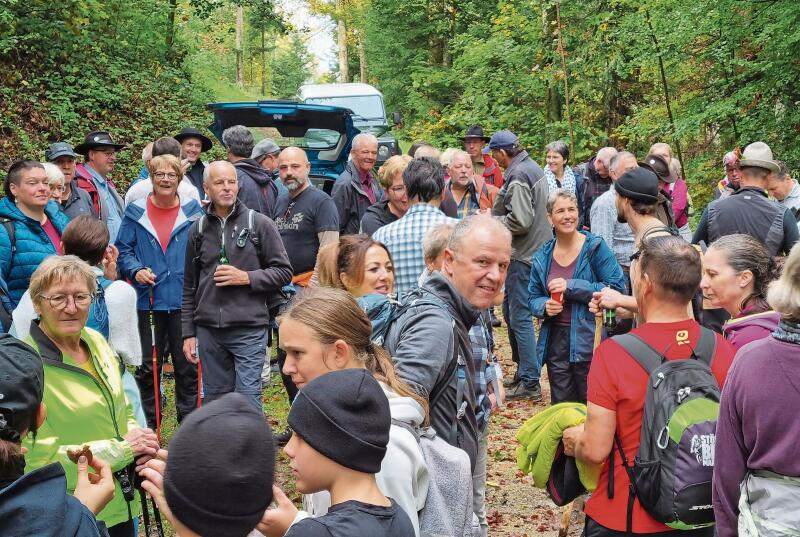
(83, 391)
(152, 248)
(395, 201)
(55, 178)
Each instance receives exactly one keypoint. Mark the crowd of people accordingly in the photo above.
(380, 302)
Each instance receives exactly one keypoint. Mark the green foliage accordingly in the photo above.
(731, 67)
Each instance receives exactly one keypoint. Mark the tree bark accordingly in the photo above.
(344, 71)
(170, 38)
(566, 75)
(263, 65)
(362, 57)
(239, 46)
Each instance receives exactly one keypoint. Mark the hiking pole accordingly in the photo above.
(156, 383)
(577, 504)
(157, 516)
(145, 512)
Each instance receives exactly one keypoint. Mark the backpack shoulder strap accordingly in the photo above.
(706, 347)
(250, 219)
(645, 355)
(200, 222)
(12, 234)
(407, 427)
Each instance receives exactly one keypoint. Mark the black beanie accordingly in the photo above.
(345, 416)
(638, 184)
(220, 469)
(21, 387)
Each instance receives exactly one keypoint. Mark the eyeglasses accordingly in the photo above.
(59, 302)
(162, 175)
(57, 188)
(398, 189)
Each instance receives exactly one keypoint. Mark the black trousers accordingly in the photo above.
(593, 529)
(567, 380)
(168, 333)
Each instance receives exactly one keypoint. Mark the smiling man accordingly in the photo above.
(234, 261)
(100, 151)
(193, 143)
(430, 339)
(357, 188)
(31, 220)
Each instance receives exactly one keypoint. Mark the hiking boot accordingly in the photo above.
(282, 438)
(511, 382)
(521, 391)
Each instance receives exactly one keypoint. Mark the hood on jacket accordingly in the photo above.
(379, 208)
(403, 408)
(37, 504)
(253, 170)
(768, 320)
(441, 287)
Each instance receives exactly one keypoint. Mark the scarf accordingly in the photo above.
(788, 331)
(567, 180)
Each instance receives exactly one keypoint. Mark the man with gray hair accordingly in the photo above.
(598, 180)
(429, 341)
(257, 189)
(357, 188)
(784, 189)
(469, 190)
(226, 286)
(605, 224)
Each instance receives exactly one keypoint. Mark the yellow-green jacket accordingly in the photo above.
(82, 410)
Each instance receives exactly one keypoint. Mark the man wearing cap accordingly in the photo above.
(749, 210)
(74, 200)
(484, 165)
(266, 153)
(357, 188)
(521, 205)
(598, 179)
(100, 151)
(660, 166)
(193, 142)
(730, 183)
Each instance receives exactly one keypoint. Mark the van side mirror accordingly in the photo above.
(397, 118)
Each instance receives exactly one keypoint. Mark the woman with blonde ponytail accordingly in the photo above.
(325, 330)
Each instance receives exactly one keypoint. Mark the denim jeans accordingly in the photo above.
(521, 322)
(232, 360)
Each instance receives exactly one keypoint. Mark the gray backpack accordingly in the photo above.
(768, 505)
(671, 475)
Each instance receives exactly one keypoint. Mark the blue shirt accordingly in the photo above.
(114, 211)
(480, 339)
(404, 238)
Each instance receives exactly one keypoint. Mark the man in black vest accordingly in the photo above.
(193, 142)
(749, 210)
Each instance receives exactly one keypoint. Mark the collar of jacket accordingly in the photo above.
(52, 210)
(522, 155)
(355, 175)
(47, 349)
(753, 189)
(238, 207)
(94, 174)
(490, 165)
(465, 312)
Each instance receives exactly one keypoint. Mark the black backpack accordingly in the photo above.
(671, 474)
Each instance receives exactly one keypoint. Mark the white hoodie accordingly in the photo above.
(404, 475)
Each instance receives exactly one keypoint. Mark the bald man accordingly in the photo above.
(235, 263)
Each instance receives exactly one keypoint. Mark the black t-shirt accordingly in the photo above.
(356, 519)
(300, 220)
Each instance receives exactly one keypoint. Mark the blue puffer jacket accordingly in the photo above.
(32, 245)
(595, 269)
(139, 248)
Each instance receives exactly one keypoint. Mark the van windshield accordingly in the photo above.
(364, 106)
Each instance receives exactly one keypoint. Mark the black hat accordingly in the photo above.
(638, 184)
(564, 483)
(191, 132)
(21, 386)
(475, 131)
(97, 139)
(221, 466)
(659, 166)
(345, 416)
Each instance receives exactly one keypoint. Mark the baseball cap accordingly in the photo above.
(21, 386)
(267, 146)
(502, 140)
(59, 149)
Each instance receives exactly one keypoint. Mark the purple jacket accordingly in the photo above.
(758, 426)
(746, 328)
(680, 202)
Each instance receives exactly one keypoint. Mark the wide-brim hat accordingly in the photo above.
(758, 155)
(191, 132)
(659, 166)
(475, 131)
(97, 139)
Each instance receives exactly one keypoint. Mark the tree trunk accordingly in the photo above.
(344, 71)
(362, 57)
(263, 65)
(170, 38)
(566, 75)
(239, 46)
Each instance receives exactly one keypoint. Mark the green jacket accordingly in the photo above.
(82, 410)
(539, 438)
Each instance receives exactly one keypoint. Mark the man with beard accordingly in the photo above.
(257, 189)
(469, 190)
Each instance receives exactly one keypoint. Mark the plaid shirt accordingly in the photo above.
(481, 339)
(404, 237)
